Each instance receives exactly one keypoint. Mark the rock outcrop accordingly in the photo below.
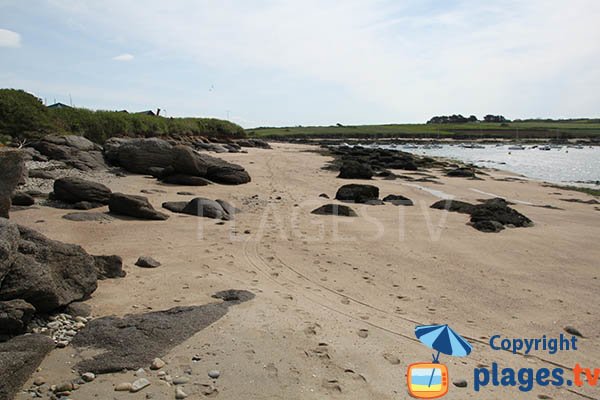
(203, 207)
(12, 172)
(75, 151)
(355, 170)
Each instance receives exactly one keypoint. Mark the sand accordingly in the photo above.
(337, 298)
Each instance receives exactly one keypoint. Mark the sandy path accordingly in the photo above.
(319, 280)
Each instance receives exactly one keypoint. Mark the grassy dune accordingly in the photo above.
(522, 129)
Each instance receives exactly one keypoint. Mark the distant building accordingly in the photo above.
(150, 112)
(59, 105)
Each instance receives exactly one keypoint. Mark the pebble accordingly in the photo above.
(363, 333)
(214, 374)
(123, 387)
(181, 380)
(62, 344)
(39, 381)
(88, 376)
(64, 387)
(461, 383)
(140, 372)
(180, 394)
(573, 331)
(157, 363)
(139, 385)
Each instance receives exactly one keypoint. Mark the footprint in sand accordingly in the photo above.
(392, 359)
(363, 333)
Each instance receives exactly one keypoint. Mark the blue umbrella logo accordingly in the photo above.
(444, 340)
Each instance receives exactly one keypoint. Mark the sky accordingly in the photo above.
(308, 62)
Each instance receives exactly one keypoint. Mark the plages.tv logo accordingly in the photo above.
(429, 380)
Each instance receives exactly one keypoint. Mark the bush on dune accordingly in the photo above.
(22, 115)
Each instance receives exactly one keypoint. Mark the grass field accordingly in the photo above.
(511, 130)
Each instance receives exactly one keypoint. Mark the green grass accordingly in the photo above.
(526, 129)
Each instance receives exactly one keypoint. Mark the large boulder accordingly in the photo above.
(75, 151)
(134, 206)
(19, 358)
(139, 155)
(22, 199)
(355, 170)
(494, 212)
(14, 316)
(461, 172)
(12, 172)
(335, 209)
(47, 273)
(75, 190)
(357, 193)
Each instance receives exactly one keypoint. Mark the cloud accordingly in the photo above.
(9, 38)
(124, 57)
(409, 59)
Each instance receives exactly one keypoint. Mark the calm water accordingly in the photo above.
(558, 165)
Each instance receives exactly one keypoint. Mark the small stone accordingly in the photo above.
(214, 374)
(461, 383)
(62, 344)
(83, 320)
(180, 394)
(123, 387)
(64, 387)
(39, 381)
(573, 331)
(139, 385)
(88, 376)
(181, 380)
(157, 363)
(363, 333)
(140, 372)
(79, 325)
(147, 262)
(161, 374)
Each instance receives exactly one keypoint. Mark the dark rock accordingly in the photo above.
(398, 200)
(73, 190)
(78, 309)
(488, 226)
(9, 244)
(335, 209)
(19, 358)
(355, 170)
(461, 383)
(41, 174)
(454, 205)
(86, 205)
(87, 216)
(175, 206)
(497, 210)
(374, 202)
(253, 143)
(12, 172)
(147, 262)
(134, 206)
(186, 193)
(186, 161)
(357, 193)
(203, 207)
(324, 195)
(47, 273)
(462, 172)
(22, 199)
(133, 341)
(109, 267)
(160, 173)
(75, 151)
(186, 180)
(14, 316)
(229, 209)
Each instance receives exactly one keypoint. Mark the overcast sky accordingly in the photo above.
(305, 62)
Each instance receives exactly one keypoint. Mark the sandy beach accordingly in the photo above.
(337, 299)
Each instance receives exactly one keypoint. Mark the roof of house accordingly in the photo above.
(58, 105)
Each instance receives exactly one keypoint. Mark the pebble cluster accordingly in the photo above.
(60, 327)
